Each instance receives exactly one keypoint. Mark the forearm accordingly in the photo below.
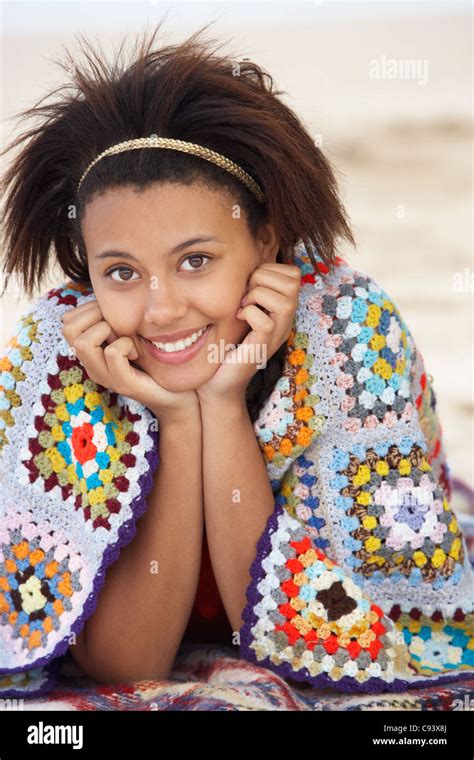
(149, 591)
(238, 499)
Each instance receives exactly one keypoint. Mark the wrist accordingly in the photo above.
(226, 405)
(187, 417)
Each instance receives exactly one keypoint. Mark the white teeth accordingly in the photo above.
(180, 345)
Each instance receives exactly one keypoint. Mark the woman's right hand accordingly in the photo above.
(85, 330)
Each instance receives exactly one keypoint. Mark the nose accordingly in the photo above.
(164, 304)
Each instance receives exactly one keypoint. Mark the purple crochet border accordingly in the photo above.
(50, 672)
(345, 684)
(125, 534)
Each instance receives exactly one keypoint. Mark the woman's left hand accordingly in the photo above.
(276, 288)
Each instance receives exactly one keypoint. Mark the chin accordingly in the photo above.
(177, 387)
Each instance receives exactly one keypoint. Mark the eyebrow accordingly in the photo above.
(176, 249)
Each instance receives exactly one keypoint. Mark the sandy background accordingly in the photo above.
(402, 149)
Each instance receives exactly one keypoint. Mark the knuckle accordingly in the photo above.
(80, 344)
(109, 348)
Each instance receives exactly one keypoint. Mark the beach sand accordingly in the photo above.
(402, 149)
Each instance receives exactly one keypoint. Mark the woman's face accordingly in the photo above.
(154, 281)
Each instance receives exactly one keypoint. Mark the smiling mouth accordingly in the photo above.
(180, 345)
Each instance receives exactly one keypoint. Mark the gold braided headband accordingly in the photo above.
(186, 147)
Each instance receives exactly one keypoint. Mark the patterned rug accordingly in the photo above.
(211, 677)
(207, 677)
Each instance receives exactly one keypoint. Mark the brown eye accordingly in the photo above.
(199, 257)
(120, 269)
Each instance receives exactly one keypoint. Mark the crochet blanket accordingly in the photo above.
(214, 678)
(361, 579)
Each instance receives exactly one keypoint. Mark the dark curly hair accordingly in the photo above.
(184, 91)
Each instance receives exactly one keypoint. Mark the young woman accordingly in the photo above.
(197, 224)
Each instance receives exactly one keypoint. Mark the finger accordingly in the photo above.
(118, 355)
(262, 328)
(90, 352)
(257, 319)
(272, 301)
(81, 321)
(278, 267)
(112, 336)
(290, 270)
(285, 277)
(72, 314)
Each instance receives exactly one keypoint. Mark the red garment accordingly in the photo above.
(208, 620)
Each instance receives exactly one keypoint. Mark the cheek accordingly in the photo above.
(225, 303)
(223, 311)
(121, 314)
